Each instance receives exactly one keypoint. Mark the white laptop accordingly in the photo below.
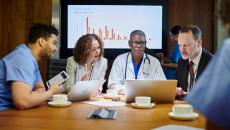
(160, 91)
(83, 90)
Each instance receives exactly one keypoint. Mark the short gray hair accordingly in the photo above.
(137, 32)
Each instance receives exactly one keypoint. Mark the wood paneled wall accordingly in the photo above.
(197, 12)
(16, 16)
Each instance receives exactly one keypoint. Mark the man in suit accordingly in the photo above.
(194, 58)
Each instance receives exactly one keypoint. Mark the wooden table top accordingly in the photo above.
(74, 118)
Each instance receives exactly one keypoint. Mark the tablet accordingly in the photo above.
(59, 79)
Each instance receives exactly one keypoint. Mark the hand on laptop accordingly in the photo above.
(180, 92)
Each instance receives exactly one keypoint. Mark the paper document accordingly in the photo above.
(83, 90)
(105, 103)
(177, 127)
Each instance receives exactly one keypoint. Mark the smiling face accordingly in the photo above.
(49, 46)
(137, 45)
(189, 47)
(95, 52)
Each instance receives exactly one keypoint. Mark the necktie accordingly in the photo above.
(192, 74)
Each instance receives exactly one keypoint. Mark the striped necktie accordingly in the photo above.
(192, 74)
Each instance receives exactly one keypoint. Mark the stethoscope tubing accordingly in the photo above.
(146, 58)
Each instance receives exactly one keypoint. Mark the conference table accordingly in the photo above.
(74, 117)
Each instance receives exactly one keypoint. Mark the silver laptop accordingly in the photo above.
(84, 90)
(160, 91)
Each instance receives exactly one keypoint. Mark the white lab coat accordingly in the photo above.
(117, 73)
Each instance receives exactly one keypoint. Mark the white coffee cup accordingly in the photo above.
(182, 109)
(142, 101)
(60, 98)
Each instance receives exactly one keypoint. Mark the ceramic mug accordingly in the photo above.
(60, 98)
(142, 101)
(182, 109)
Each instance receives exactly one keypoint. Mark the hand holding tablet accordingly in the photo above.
(58, 79)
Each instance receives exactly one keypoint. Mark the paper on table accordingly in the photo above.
(177, 127)
(105, 103)
(83, 90)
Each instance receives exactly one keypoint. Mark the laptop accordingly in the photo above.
(84, 90)
(160, 91)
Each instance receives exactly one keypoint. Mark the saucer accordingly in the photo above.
(59, 104)
(142, 107)
(190, 116)
(111, 96)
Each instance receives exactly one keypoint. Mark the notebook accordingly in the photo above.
(160, 91)
(83, 90)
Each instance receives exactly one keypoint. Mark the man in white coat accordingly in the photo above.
(135, 64)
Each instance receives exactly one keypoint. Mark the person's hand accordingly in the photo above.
(85, 77)
(180, 92)
(121, 92)
(55, 88)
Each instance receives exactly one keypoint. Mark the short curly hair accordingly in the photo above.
(38, 30)
(82, 48)
(224, 11)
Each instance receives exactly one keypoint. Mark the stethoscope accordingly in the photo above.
(146, 66)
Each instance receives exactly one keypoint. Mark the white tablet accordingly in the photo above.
(59, 79)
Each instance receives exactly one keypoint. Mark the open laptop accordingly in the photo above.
(84, 90)
(160, 91)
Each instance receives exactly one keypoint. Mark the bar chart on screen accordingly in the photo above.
(113, 23)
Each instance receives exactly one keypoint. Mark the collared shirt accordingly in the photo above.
(76, 71)
(210, 94)
(136, 67)
(195, 61)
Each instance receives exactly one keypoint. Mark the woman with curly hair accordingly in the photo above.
(87, 62)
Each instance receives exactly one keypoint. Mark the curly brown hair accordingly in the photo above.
(82, 48)
(224, 11)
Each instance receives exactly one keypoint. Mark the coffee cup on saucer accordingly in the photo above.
(183, 112)
(60, 98)
(182, 109)
(142, 101)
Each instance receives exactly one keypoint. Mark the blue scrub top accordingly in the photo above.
(174, 58)
(19, 65)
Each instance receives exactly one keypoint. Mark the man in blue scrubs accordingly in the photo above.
(170, 64)
(20, 80)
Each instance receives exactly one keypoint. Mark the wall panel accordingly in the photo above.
(16, 16)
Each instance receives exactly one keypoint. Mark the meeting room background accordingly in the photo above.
(16, 16)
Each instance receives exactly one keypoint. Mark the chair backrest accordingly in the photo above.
(55, 66)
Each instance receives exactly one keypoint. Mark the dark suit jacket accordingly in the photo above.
(183, 69)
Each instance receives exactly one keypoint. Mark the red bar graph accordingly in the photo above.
(106, 35)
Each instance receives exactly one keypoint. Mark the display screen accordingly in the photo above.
(114, 23)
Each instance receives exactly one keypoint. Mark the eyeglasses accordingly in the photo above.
(141, 43)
